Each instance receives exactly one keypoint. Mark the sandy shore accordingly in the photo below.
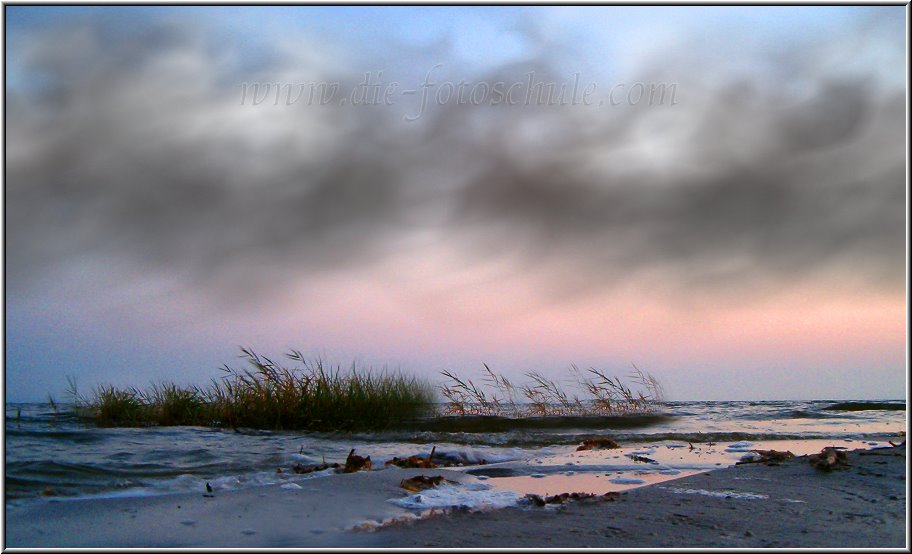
(751, 505)
(318, 514)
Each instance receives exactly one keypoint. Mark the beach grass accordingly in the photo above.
(267, 395)
(311, 395)
(598, 394)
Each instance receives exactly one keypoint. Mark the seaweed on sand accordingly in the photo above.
(565, 497)
(830, 458)
(302, 469)
(356, 463)
(422, 482)
(597, 443)
(414, 461)
(766, 456)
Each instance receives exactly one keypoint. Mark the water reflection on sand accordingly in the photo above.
(628, 467)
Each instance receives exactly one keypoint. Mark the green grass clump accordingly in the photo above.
(120, 406)
(170, 404)
(268, 395)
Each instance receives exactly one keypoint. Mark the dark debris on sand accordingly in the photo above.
(597, 443)
(423, 482)
(563, 498)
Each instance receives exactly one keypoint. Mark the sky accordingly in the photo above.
(740, 237)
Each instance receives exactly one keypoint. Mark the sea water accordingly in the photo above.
(50, 454)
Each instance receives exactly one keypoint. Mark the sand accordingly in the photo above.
(753, 505)
(316, 515)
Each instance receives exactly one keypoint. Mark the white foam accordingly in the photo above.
(473, 456)
(627, 481)
(373, 525)
(721, 494)
(475, 486)
(453, 496)
(751, 457)
(129, 493)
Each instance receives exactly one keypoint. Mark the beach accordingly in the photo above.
(790, 504)
(408, 277)
(751, 505)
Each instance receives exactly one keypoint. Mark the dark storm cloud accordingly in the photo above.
(143, 154)
(135, 152)
(820, 188)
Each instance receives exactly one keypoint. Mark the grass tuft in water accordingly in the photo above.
(268, 395)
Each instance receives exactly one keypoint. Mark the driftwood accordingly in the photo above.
(593, 444)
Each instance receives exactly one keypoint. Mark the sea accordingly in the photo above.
(52, 456)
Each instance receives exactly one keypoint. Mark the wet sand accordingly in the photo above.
(752, 505)
(316, 515)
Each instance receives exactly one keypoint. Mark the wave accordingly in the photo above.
(89, 435)
(805, 414)
(542, 439)
(863, 406)
(53, 469)
(500, 424)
